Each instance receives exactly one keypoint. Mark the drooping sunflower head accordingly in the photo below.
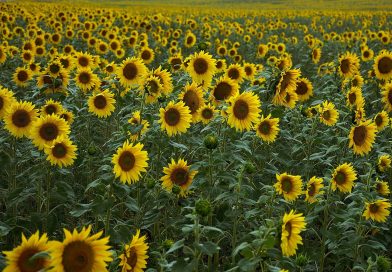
(19, 259)
(362, 137)
(293, 224)
(267, 128)
(224, 89)
(383, 65)
(387, 97)
(377, 210)
(175, 118)
(51, 107)
(165, 78)
(131, 71)
(354, 97)
(287, 84)
(304, 89)
(384, 162)
(179, 174)
(201, 67)
(19, 118)
(140, 125)
(348, 65)
(61, 152)
(262, 50)
(343, 178)
(328, 114)
(244, 111)
(289, 186)
(192, 96)
(81, 252)
(313, 189)
(102, 104)
(134, 256)
(130, 161)
(381, 120)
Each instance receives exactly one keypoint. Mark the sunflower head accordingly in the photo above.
(244, 111)
(383, 65)
(377, 210)
(362, 137)
(343, 178)
(267, 128)
(134, 255)
(289, 186)
(293, 224)
(175, 118)
(19, 118)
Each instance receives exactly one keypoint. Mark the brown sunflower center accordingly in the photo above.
(233, 73)
(241, 109)
(100, 102)
(172, 117)
(378, 120)
(152, 86)
(21, 118)
(327, 115)
(127, 161)
(366, 54)
(189, 40)
(179, 176)
(207, 113)
(83, 61)
(302, 88)
(355, 82)
(132, 259)
(200, 66)
(287, 185)
(84, 77)
(1, 103)
(288, 228)
(22, 76)
(315, 54)
(192, 101)
(26, 265)
(176, 63)
(50, 109)
(219, 64)
(265, 128)
(78, 256)
(64, 63)
(248, 71)
(385, 65)
(54, 68)
(340, 177)
(352, 97)
(360, 134)
(49, 131)
(222, 91)
(130, 71)
(146, 55)
(311, 190)
(59, 150)
(390, 97)
(378, 187)
(345, 66)
(373, 208)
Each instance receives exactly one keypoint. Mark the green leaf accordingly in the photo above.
(208, 248)
(177, 245)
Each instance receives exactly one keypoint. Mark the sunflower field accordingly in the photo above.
(143, 136)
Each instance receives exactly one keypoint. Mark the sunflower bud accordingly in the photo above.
(92, 150)
(301, 260)
(249, 167)
(383, 264)
(167, 243)
(211, 141)
(176, 189)
(203, 207)
(150, 183)
(202, 46)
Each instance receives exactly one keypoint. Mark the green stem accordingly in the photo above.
(197, 242)
(108, 213)
(324, 235)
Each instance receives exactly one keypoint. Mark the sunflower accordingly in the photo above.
(316, 55)
(384, 162)
(102, 104)
(382, 188)
(129, 162)
(348, 65)
(356, 81)
(343, 178)
(354, 97)
(61, 152)
(383, 65)
(290, 99)
(287, 83)
(19, 259)
(250, 70)
(178, 173)
(224, 89)
(367, 54)
(80, 252)
(67, 116)
(362, 137)
(313, 189)
(146, 54)
(289, 186)
(135, 254)
(220, 65)
(51, 107)
(153, 89)
(46, 129)
(135, 120)
(192, 96)
(292, 226)
(165, 79)
(206, 113)
(328, 114)
(84, 60)
(175, 118)
(6, 99)
(201, 67)
(54, 68)
(22, 76)
(19, 118)
(377, 210)
(267, 128)
(244, 110)
(387, 97)
(85, 79)
(131, 71)
(235, 72)
(304, 89)
(381, 120)
(262, 50)
(190, 40)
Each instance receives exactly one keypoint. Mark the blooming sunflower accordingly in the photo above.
(382, 188)
(201, 67)
(316, 55)
(235, 72)
(383, 65)
(61, 152)
(377, 210)
(84, 60)
(262, 50)
(362, 137)
(67, 116)
(192, 96)
(135, 120)
(102, 104)
(343, 178)
(354, 97)
(18, 260)
(51, 107)
(313, 189)
(129, 162)
(80, 252)
(304, 89)
(348, 65)
(384, 162)
(244, 110)
(287, 84)
(135, 254)
(46, 129)
(175, 118)
(293, 225)
(131, 71)
(146, 54)
(85, 79)
(381, 120)
(178, 173)
(6, 99)
(250, 70)
(328, 114)
(267, 128)
(289, 186)
(224, 89)
(387, 97)
(19, 118)
(165, 79)
(206, 113)
(22, 76)
(153, 89)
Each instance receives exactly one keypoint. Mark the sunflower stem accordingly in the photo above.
(47, 206)
(324, 235)
(197, 242)
(108, 213)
